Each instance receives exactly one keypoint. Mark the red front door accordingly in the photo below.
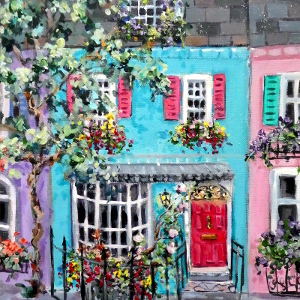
(209, 233)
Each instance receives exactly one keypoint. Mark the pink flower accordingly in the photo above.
(173, 233)
(171, 248)
(183, 207)
(16, 260)
(138, 238)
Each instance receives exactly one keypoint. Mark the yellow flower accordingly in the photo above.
(81, 137)
(206, 124)
(115, 273)
(119, 273)
(118, 265)
(223, 128)
(149, 280)
(126, 273)
(69, 279)
(110, 116)
(75, 276)
(79, 123)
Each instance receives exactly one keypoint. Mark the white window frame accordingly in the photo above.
(276, 200)
(112, 88)
(4, 108)
(208, 97)
(9, 198)
(119, 203)
(284, 99)
(145, 17)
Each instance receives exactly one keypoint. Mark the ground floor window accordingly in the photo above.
(7, 209)
(285, 195)
(119, 210)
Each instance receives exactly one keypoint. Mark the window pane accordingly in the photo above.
(2, 190)
(91, 189)
(144, 190)
(103, 191)
(114, 237)
(123, 238)
(81, 233)
(134, 192)
(124, 193)
(4, 235)
(91, 232)
(80, 188)
(124, 252)
(103, 216)
(290, 111)
(4, 212)
(114, 193)
(287, 187)
(114, 216)
(290, 89)
(81, 210)
(104, 237)
(91, 213)
(144, 213)
(134, 216)
(287, 211)
(123, 218)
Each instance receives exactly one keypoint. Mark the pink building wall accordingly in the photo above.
(265, 61)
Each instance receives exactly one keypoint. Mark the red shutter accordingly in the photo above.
(124, 100)
(219, 95)
(172, 103)
(70, 94)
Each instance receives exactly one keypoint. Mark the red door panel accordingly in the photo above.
(209, 233)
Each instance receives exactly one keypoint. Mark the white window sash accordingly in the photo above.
(276, 200)
(208, 96)
(4, 102)
(284, 100)
(119, 204)
(11, 199)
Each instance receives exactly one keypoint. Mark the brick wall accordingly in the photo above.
(274, 22)
(217, 22)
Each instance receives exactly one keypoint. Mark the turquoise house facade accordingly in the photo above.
(154, 164)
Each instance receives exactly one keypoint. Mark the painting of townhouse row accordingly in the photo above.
(149, 149)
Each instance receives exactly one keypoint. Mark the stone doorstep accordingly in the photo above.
(210, 286)
(210, 274)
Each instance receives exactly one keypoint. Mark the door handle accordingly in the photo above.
(209, 224)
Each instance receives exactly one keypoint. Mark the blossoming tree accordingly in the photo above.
(36, 63)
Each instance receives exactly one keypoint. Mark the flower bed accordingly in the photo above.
(14, 255)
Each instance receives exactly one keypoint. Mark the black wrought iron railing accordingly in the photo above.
(237, 269)
(94, 290)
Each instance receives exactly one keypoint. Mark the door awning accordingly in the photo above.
(170, 172)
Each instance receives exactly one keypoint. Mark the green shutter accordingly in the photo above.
(271, 100)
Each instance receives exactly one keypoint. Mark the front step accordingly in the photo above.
(210, 274)
(209, 286)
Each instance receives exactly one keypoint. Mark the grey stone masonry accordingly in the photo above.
(274, 22)
(218, 22)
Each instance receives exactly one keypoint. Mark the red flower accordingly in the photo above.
(23, 241)
(16, 233)
(2, 164)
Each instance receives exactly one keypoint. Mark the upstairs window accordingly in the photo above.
(290, 96)
(119, 210)
(197, 97)
(147, 14)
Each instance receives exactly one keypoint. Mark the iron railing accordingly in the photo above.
(237, 269)
(90, 291)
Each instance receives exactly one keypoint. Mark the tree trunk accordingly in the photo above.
(37, 230)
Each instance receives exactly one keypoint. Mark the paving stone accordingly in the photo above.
(208, 28)
(196, 40)
(233, 28)
(277, 38)
(277, 10)
(227, 3)
(205, 3)
(294, 10)
(257, 40)
(289, 26)
(294, 38)
(267, 25)
(239, 40)
(238, 14)
(218, 14)
(219, 41)
(195, 15)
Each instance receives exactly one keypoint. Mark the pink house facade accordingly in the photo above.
(273, 193)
